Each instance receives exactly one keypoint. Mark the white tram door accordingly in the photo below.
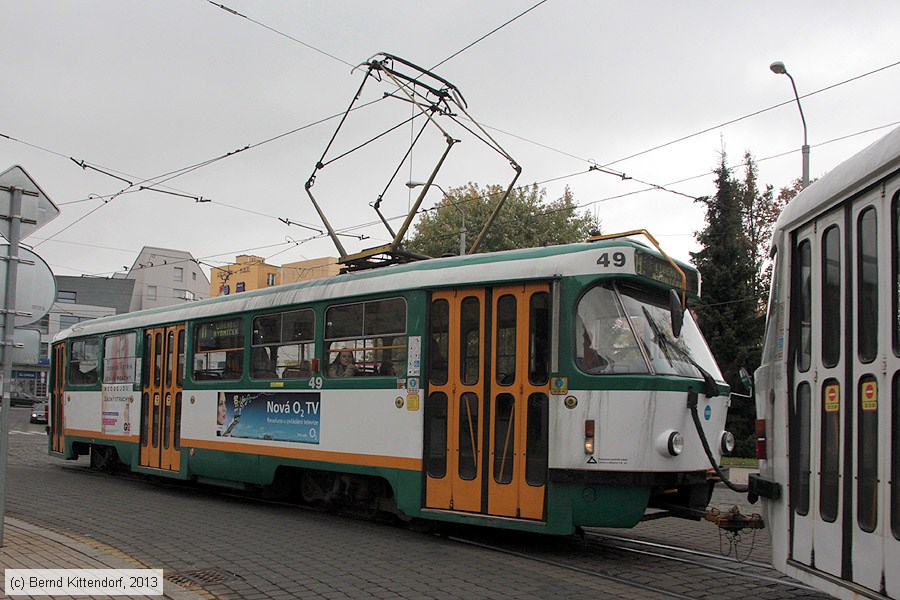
(817, 403)
(162, 380)
(841, 438)
(870, 433)
(889, 402)
(487, 408)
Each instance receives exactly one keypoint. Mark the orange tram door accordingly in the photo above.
(487, 410)
(58, 399)
(162, 377)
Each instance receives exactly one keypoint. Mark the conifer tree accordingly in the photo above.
(728, 312)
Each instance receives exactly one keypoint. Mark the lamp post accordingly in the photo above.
(462, 227)
(779, 69)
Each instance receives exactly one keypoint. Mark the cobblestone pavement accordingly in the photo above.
(225, 546)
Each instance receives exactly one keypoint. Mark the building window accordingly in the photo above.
(151, 292)
(65, 297)
(44, 324)
(239, 287)
(66, 321)
(270, 279)
(44, 350)
(194, 276)
(182, 294)
(225, 289)
(179, 274)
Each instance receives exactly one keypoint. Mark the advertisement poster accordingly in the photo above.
(278, 416)
(119, 363)
(116, 409)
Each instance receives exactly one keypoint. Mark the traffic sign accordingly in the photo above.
(35, 286)
(37, 208)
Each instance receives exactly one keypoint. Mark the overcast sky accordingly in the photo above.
(141, 89)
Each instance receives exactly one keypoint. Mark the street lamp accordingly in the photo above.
(779, 69)
(462, 227)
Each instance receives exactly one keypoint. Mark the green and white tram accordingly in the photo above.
(541, 389)
(828, 388)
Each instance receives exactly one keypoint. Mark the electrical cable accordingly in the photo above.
(281, 33)
(485, 36)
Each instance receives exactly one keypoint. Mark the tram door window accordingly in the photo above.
(486, 441)
(161, 398)
(58, 398)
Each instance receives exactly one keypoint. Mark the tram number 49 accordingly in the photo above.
(315, 383)
(617, 259)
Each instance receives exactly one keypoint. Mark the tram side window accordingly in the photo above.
(219, 350)
(804, 350)
(831, 297)
(800, 450)
(506, 340)
(282, 345)
(867, 455)
(895, 271)
(539, 339)
(895, 458)
(119, 363)
(867, 286)
(439, 341)
(366, 339)
(829, 459)
(84, 360)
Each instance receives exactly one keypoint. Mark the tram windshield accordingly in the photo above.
(624, 330)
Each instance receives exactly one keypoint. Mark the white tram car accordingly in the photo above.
(828, 389)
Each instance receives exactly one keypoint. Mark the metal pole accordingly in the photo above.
(462, 232)
(9, 332)
(805, 178)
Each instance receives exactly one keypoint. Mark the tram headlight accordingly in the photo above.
(589, 436)
(726, 442)
(670, 443)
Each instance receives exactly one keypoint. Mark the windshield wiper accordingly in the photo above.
(710, 387)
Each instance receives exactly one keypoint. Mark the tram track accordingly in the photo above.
(642, 561)
(667, 552)
(605, 576)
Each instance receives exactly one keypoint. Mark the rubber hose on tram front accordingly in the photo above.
(692, 405)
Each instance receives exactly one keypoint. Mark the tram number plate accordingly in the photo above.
(614, 259)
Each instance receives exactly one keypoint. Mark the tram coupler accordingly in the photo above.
(733, 521)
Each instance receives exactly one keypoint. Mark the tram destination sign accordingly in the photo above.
(661, 270)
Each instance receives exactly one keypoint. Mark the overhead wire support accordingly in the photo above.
(87, 166)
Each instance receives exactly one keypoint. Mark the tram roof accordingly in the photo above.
(529, 263)
(848, 178)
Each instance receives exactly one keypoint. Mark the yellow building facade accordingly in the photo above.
(247, 273)
(250, 272)
(315, 268)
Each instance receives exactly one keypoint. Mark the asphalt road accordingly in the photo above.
(223, 545)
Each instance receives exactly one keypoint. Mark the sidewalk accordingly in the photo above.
(27, 546)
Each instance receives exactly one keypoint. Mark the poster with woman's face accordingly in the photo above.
(119, 359)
